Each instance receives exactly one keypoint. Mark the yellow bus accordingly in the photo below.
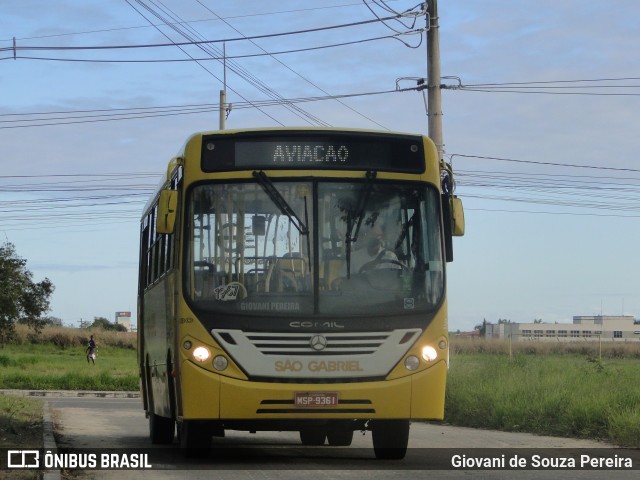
(294, 280)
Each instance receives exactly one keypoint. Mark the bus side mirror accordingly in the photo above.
(453, 222)
(457, 217)
(167, 207)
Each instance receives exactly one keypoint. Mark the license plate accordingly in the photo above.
(316, 399)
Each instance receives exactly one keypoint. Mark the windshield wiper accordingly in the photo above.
(353, 224)
(277, 198)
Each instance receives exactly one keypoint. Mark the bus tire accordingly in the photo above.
(339, 435)
(161, 429)
(195, 438)
(313, 436)
(390, 439)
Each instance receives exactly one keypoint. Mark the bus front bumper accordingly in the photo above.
(206, 395)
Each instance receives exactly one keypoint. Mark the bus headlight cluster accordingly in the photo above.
(412, 362)
(201, 354)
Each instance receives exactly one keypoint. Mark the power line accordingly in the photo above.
(545, 82)
(94, 175)
(291, 69)
(262, 14)
(536, 162)
(399, 15)
(191, 34)
(245, 74)
(572, 214)
(587, 87)
(591, 94)
(198, 42)
(105, 115)
(578, 193)
(215, 58)
(200, 64)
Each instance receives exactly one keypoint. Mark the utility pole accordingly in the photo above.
(434, 93)
(223, 92)
(223, 113)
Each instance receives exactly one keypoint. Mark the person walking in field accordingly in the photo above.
(91, 350)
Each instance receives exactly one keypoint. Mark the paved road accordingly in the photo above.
(120, 423)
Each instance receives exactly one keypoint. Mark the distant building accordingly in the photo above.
(621, 328)
(472, 334)
(124, 318)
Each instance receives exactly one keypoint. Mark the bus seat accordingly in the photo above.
(289, 274)
(331, 269)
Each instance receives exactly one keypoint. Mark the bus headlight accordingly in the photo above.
(201, 354)
(220, 363)
(411, 363)
(429, 354)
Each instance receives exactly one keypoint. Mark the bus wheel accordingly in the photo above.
(195, 438)
(313, 436)
(339, 435)
(390, 438)
(161, 429)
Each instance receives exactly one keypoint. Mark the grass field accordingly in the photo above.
(20, 422)
(538, 391)
(55, 359)
(48, 367)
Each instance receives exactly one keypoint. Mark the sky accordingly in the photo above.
(540, 123)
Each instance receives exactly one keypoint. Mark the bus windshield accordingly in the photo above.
(246, 254)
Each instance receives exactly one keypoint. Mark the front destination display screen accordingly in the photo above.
(393, 153)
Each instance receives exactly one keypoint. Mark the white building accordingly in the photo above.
(606, 328)
(124, 318)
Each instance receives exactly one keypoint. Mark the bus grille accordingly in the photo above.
(300, 344)
(325, 355)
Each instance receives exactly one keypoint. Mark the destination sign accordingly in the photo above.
(306, 150)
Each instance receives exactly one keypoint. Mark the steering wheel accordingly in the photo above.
(374, 263)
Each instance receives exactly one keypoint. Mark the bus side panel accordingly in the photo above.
(158, 332)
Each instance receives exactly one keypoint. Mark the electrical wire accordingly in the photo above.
(589, 94)
(190, 34)
(538, 162)
(546, 82)
(107, 115)
(307, 80)
(397, 15)
(167, 17)
(217, 58)
(246, 74)
(554, 87)
(261, 14)
(616, 193)
(199, 42)
(569, 194)
(200, 64)
(36, 200)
